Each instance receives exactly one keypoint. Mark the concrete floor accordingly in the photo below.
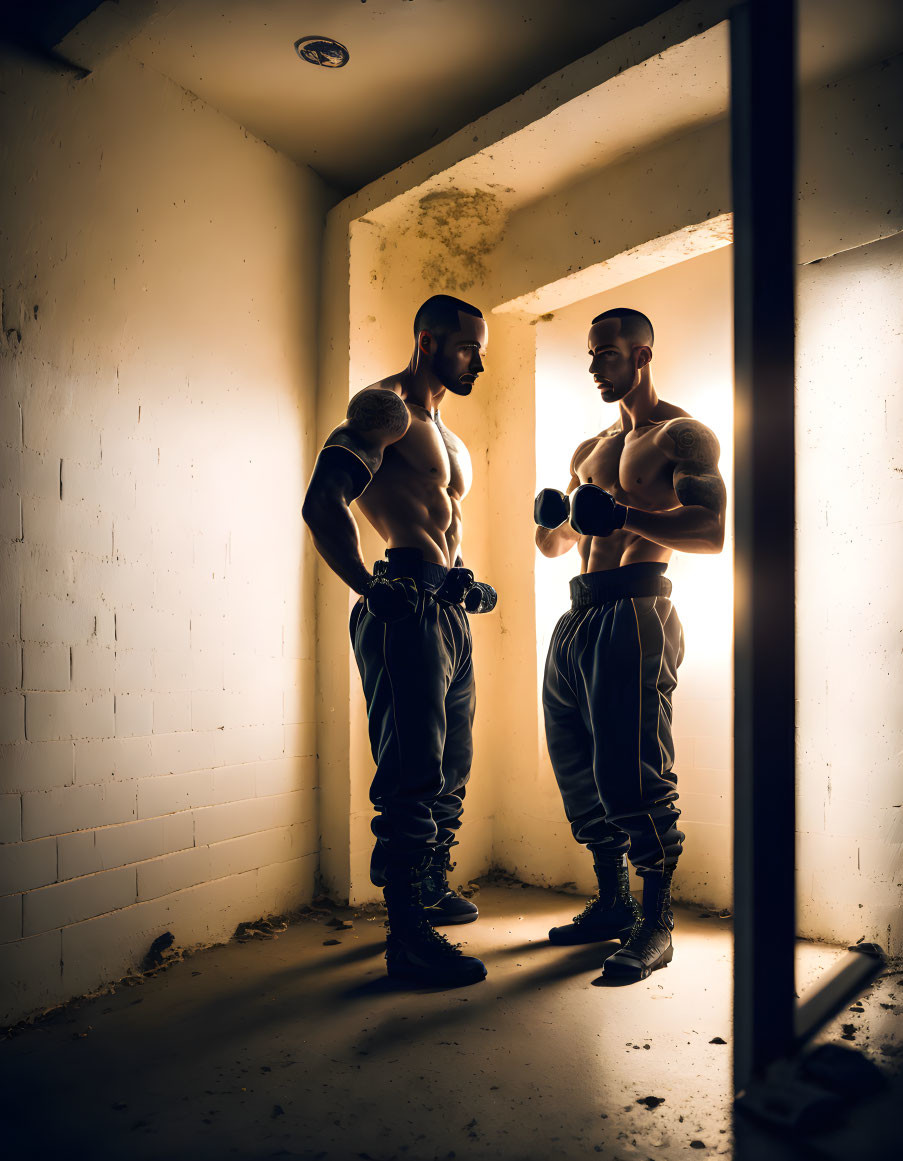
(299, 1047)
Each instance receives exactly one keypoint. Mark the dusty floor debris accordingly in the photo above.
(282, 1047)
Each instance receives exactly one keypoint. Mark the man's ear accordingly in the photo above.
(426, 342)
(644, 358)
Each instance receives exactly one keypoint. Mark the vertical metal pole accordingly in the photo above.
(763, 121)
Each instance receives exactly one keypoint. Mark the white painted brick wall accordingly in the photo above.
(134, 714)
(37, 766)
(92, 667)
(10, 665)
(150, 538)
(229, 820)
(10, 818)
(57, 619)
(10, 918)
(29, 977)
(40, 475)
(10, 516)
(86, 851)
(46, 667)
(179, 753)
(49, 716)
(172, 712)
(76, 527)
(12, 718)
(171, 872)
(77, 808)
(133, 670)
(27, 865)
(63, 903)
(99, 759)
(284, 775)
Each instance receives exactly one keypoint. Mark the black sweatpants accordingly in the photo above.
(418, 682)
(609, 677)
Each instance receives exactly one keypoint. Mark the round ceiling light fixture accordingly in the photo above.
(322, 51)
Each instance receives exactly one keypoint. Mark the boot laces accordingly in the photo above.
(595, 904)
(640, 939)
(434, 880)
(425, 930)
(645, 932)
(443, 941)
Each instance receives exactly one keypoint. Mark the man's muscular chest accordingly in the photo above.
(631, 467)
(434, 453)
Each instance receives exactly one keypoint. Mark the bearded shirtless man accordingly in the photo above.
(647, 485)
(410, 634)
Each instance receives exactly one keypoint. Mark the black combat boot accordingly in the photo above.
(612, 914)
(441, 904)
(414, 951)
(650, 945)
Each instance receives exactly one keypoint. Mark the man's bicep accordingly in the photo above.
(694, 451)
(700, 484)
(340, 471)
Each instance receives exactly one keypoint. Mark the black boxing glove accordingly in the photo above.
(454, 588)
(390, 600)
(481, 598)
(594, 512)
(551, 508)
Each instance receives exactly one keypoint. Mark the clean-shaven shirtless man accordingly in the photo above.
(646, 486)
(410, 633)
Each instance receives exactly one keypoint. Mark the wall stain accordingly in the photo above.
(463, 227)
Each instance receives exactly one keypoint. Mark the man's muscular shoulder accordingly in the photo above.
(686, 440)
(376, 417)
(378, 409)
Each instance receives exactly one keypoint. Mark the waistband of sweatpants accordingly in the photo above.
(645, 579)
(410, 562)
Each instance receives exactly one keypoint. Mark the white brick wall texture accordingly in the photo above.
(10, 918)
(10, 818)
(155, 434)
(10, 665)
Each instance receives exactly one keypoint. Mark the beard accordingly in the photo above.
(449, 376)
(619, 386)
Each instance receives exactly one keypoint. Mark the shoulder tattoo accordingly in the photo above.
(693, 442)
(378, 410)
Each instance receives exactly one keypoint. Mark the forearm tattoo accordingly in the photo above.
(379, 410)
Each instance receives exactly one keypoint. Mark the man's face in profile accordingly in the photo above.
(613, 361)
(458, 359)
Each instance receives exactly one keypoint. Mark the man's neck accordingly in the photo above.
(638, 406)
(421, 387)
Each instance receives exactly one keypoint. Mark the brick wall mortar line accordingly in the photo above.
(156, 858)
(155, 898)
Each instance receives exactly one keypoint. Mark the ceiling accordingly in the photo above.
(419, 70)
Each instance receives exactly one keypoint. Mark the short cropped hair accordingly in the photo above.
(635, 326)
(439, 315)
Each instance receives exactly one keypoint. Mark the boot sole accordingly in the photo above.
(619, 971)
(622, 935)
(410, 975)
(440, 920)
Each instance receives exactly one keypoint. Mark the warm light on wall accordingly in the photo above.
(689, 304)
